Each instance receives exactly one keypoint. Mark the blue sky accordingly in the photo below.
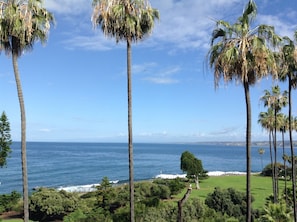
(75, 86)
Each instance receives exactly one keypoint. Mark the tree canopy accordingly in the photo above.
(5, 139)
(192, 166)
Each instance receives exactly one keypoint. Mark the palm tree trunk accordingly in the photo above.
(292, 150)
(271, 161)
(285, 168)
(248, 152)
(275, 160)
(130, 142)
(23, 137)
(275, 168)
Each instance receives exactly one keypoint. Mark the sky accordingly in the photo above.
(75, 86)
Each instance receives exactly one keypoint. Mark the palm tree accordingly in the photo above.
(276, 212)
(266, 120)
(283, 128)
(21, 24)
(240, 53)
(261, 151)
(288, 69)
(275, 100)
(129, 21)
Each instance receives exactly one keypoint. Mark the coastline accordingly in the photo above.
(92, 187)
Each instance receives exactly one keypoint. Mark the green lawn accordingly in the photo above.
(261, 187)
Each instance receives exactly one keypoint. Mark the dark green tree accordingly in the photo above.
(192, 166)
(227, 201)
(22, 23)
(240, 52)
(129, 21)
(5, 139)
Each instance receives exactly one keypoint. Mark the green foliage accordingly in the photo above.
(229, 201)
(192, 166)
(5, 139)
(150, 194)
(163, 213)
(109, 198)
(49, 204)
(289, 197)
(193, 210)
(267, 171)
(175, 185)
(75, 216)
(276, 212)
(111, 203)
(9, 201)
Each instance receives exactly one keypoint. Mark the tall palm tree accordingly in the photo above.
(129, 21)
(266, 120)
(283, 128)
(276, 100)
(22, 23)
(288, 69)
(239, 52)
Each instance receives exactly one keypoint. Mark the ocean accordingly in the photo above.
(76, 166)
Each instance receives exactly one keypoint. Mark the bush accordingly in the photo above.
(267, 171)
(9, 201)
(75, 216)
(50, 204)
(229, 201)
(146, 190)
(175, 185)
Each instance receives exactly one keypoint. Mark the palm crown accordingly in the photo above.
(124, 19)
(25, 22)
(241, 53)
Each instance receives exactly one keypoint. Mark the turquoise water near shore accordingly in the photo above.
(53, 164)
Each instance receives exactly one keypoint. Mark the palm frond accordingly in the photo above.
(124, 19)
(26, 22)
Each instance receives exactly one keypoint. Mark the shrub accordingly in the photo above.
(9, 201)
(50, 204)
(75, 216)
(175, 185)
(267, 171)
(229, 201)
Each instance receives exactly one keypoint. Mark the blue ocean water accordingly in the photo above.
(56, 165)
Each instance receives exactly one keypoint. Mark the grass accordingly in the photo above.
(261, 187)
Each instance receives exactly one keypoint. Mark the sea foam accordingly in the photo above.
(83, 188)
(211, 173)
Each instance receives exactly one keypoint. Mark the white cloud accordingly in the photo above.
(166, 76)
(72, 7)
(96, 42)
(143, 68)
(45, 130)
(283, 28)
(187, 24)
(161, 80)
(183, 24)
